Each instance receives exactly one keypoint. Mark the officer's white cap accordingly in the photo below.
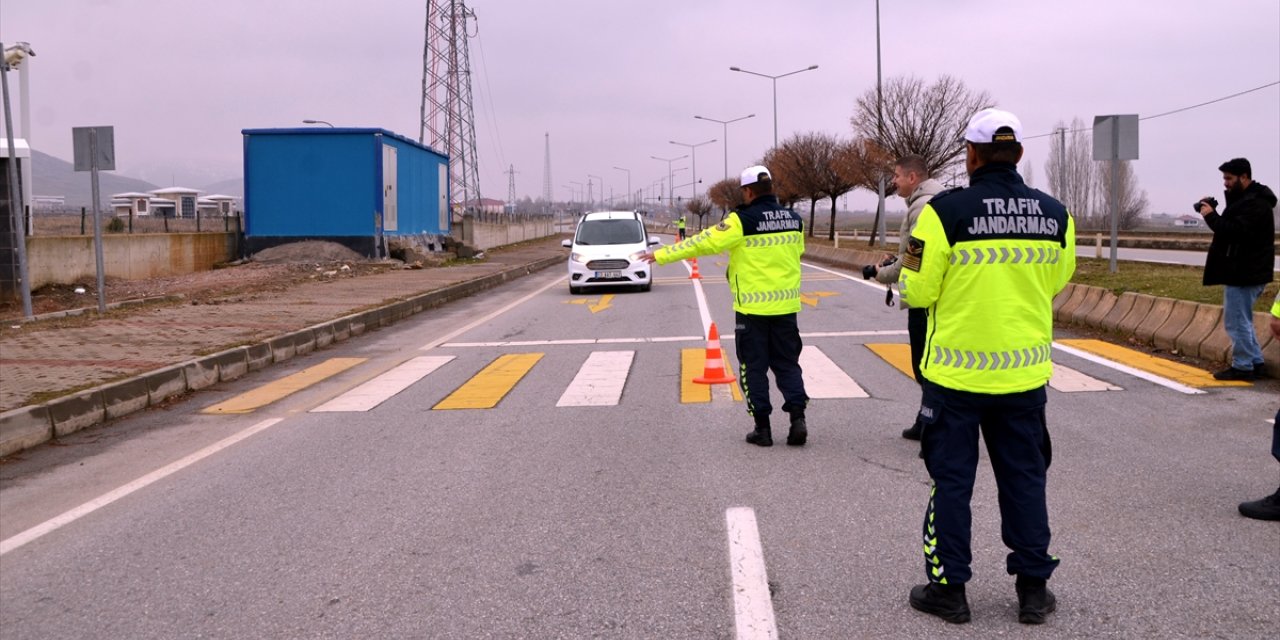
(752, 175)
(984, 125)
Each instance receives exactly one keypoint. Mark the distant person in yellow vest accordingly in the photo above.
(680, 227)
(986, 262)
(764, 241)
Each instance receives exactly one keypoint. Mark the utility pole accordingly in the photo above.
(546, 171)
(1062, 166)
(511, 188)
(448, 119)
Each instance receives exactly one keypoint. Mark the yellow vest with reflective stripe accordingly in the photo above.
(987, 262)
(764, 269)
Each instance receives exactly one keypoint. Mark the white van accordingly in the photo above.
(606, 250)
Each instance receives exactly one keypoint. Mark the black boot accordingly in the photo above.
(762, 436)
(913, 432)
(1035, 600)
(942, 600)
(799, 431)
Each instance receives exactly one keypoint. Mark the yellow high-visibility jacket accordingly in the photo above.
(987, 261)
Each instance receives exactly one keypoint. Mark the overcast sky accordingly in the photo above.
(614, 81)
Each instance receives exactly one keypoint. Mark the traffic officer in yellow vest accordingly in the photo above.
(680, 224)
(764, 241)
(986, 261)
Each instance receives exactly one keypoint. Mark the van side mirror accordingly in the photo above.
(654, 240)
(568, 244)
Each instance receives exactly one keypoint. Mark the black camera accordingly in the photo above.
(1212, 202)
(869, 270)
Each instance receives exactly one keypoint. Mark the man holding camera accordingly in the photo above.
(1241, 256)
(911, 181)
(986, 261)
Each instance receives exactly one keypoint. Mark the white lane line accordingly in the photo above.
(1068, 380)
(461, 330)
(111, 496)
(866, 283)
(380, 389)
(599, 381)
(824, 379)
(1137, 373)
(723, 336)
(752, 604)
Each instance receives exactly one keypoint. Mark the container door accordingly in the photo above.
(443, 172)
(390, 221)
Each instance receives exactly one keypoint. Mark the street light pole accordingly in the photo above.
(693, 148)
(726, 124)
(318, 122)
(589, 176)
(669, 161)
(629, 199)
(881, 224)
(775, 90)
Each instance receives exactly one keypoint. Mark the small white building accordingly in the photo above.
(131, 203)
(1189, 221)
(218, 204)
(184, 200)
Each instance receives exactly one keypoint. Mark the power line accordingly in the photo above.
(1169, 113)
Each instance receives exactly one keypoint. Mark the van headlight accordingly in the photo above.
(578, 257)
(635, 257)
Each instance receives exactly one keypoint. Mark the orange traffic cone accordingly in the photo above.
(695, 275)
(713, 372)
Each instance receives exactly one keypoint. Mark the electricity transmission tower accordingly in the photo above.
(448, 122)
(511, 188)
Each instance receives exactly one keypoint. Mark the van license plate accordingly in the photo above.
(608, 274)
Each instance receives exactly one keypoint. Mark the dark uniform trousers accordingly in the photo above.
(1013, 426)
(764, 343)
(917, 327)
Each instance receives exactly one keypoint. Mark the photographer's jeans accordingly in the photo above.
(1237, 317)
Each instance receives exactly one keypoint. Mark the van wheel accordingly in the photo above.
(646, 286)
(574, 290)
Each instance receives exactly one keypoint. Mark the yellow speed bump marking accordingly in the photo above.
(491, 385)
(693, 363)
(288, 385)
(898, 355)
(1176, 371)
(595, 306)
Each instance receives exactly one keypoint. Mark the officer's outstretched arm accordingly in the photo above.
(926, 261)
(722, 237)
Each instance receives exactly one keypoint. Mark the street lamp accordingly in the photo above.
(317, 122)
(630, 202)
(693, 148)
(726, 124)
(775, 92)
(669, 161)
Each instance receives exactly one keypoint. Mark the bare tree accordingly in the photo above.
(1133, 202)
(699, 207)
(847, 165)
(802, 162)
(726, 194)
(786, 185)
(909, 117)
(1071, 170)
(914, 118)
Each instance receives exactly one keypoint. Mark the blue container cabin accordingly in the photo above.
(355, 186)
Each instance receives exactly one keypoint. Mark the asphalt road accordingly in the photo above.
(532, 520)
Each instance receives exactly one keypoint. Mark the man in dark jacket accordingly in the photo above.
(1242, 257)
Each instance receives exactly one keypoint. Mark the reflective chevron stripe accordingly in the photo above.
(991, 360)
(936, 570)
(753, 297)
(772, 240)
(1007, 255)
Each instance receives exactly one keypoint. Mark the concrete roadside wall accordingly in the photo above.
(487, 235)
(70, 259)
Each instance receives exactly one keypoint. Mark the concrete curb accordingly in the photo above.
(26, 427)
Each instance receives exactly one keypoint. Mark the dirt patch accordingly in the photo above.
(313, 251)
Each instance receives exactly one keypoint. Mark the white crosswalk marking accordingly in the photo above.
(1068, 380)
(378, 390)
(600, 380)
(824, 378)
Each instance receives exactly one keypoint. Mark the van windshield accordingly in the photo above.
(610, 232)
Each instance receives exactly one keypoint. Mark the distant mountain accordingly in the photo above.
(232, 187)
(51, 176)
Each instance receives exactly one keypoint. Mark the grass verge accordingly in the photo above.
(1181, 282)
